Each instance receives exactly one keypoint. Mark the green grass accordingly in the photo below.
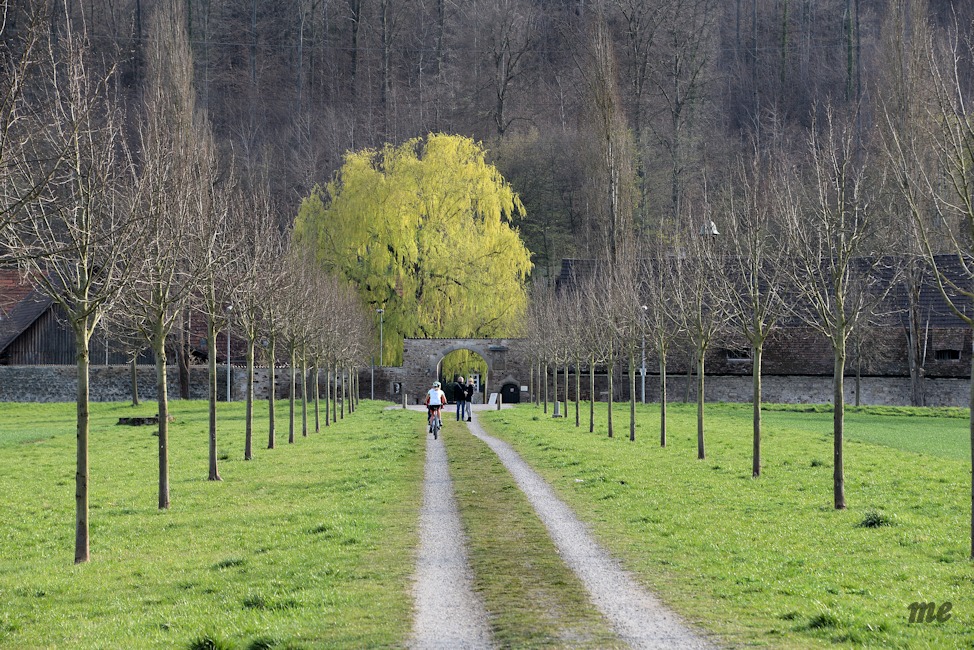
(943, 432)
(533, 598)
(769, 562)
(309, 545)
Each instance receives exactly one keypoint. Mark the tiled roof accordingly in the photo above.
(20, 306)
(934, 310)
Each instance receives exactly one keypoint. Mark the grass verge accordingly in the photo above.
(533, 598)
(769, 562)
(309, 545)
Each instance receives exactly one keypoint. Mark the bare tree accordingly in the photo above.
(660, 319)
(681, 80)
(611, 147)
(932, 158)
(643, 20)
(254, 267)
(76, 243)
(835, 270)
(511, 29)
(213, 244)
(702, 305)
(165, 277)
(295, 325)
(624, 319)
(754, 281)
(22, 177)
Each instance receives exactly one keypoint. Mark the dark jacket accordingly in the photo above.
(468, 392)
(458, 392)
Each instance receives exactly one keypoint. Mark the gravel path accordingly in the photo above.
(448, 612)
(637, 616)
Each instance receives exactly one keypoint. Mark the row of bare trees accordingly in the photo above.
(785, 240)
(817, 240)
(130, 216)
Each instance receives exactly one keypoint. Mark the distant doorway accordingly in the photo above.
(511, 393)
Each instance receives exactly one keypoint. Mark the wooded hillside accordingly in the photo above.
(291, 85)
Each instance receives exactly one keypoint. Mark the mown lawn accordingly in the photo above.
(768, 561)
(309, 545)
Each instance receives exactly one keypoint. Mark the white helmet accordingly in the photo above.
(436, 384)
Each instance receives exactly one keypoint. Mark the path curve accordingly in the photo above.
(637, 616)
(449, 614)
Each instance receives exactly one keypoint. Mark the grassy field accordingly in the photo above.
(309, 545)
(769, 562)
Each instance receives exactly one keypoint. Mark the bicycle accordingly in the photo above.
(436, 424)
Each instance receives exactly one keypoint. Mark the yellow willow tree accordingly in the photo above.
(425, 230)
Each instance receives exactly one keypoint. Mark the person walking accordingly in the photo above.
(468, 396)
(460, 397)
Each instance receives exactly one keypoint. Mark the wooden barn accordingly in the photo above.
(34, 331)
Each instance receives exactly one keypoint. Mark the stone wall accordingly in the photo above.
(886, 391)
(113, 383)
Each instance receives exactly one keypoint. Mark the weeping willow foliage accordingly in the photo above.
(463, 363)
(426, 231)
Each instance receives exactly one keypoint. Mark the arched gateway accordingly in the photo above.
(508, 367)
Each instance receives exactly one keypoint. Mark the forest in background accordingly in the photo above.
(291, 85)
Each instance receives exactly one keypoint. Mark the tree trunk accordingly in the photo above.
(531, 381)
(134, 368)
(162, 399)
(334, 401)
(82, 551)
(971, 405)
(914, 349)
(609, 371)
(317, 389)
(632, 395)
(591, 394)
(182, 355)
(272, 393)
(292, 391)
(352, 390)
(578, 391)
(756, 404)
(701, 449)
(211, 333)
(686, 390)
(838, 414)
(545, 390)
(662, 400)
(327, 395)
(249, 425)
(556, 411)
(304, 394)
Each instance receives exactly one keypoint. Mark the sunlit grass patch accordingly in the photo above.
(308, 545)
(768, 561)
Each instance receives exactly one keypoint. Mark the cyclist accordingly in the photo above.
(435, 400)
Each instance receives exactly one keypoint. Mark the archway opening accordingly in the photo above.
(467, 364)
(511, 393)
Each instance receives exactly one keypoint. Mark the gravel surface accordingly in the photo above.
(637, 616)
(448, 612)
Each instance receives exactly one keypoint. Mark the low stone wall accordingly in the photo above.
(112, 383)
(884, 391)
